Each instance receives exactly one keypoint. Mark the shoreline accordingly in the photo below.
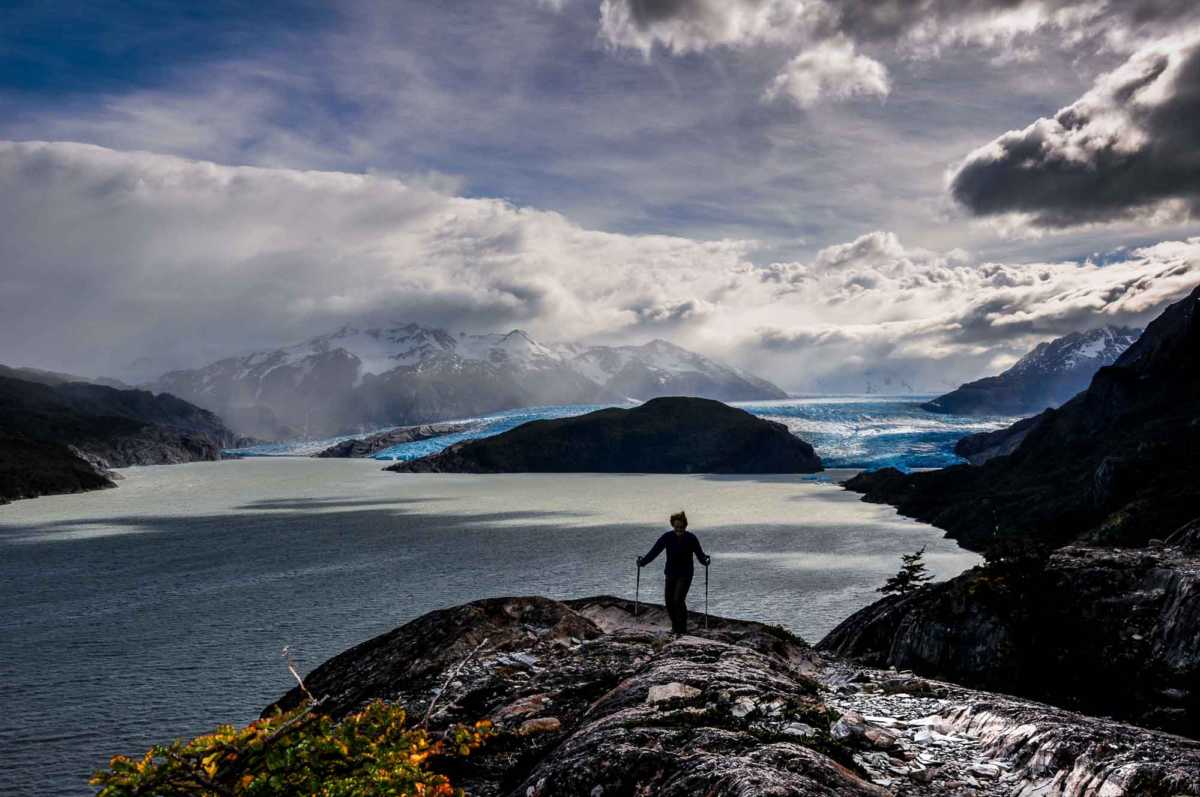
(193, 572)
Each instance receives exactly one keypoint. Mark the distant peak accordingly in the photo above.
(415, 330)
(1099, 344)
(344, 331)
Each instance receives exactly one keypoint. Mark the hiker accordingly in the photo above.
(679, 544)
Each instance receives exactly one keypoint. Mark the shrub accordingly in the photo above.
(300, 752)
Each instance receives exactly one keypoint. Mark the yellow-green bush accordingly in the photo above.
(300, 752)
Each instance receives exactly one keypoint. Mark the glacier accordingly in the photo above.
(848, 431)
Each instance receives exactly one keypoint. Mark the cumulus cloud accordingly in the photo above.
(111, 257)
(687, 26)
(830, 69)
(108, 255)
(875, 310)
(682, 26)
(1129, 148)
(827, 35)
(923, 28)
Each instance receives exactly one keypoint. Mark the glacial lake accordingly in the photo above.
(159, 609)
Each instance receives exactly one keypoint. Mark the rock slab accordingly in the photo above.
(589, 700)
(1109, 631)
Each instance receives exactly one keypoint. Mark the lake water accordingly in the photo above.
(159, 609)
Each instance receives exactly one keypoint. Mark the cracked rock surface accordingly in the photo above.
(952, 740)
(1063, 631)
(589, 700)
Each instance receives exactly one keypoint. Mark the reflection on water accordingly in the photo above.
(158, 609)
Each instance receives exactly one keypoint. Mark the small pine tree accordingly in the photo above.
(912, 575)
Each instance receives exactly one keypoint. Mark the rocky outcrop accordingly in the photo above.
(74, 432)
(665, 435)
(979, 448)
(1046, 377)
(1115, 465)
(1107, 622)
(1111, 631)
(373, 444)
(951, 740)
(589, 700)
(30, 468)
(151, 445)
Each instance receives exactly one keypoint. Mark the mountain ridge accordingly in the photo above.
(65, 436)
(1114, 465)
(1091, 531)
(1047, 376)
(358, 379)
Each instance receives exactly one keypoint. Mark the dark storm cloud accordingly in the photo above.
(110, 255)
(669, 313)
(1129, 148)
(880, 19)
(844, 50)
(887, 19)
(649, 11)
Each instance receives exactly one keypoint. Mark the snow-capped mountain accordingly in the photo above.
(360, 379)
(659, 368)
(1046, 377)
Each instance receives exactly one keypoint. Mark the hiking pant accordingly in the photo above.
(676, 596)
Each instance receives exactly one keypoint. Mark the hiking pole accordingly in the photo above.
(706, 597)
(637, 592)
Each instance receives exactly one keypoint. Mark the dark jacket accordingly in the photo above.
(679, 548)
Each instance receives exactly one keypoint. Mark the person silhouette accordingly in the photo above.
(680, 545)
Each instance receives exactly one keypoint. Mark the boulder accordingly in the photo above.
(540, 725)
(673, 691)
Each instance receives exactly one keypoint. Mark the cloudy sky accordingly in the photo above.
(826, 191)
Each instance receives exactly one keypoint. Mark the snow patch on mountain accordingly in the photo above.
(358, 377)
(380, 351)
(1048, 376)
(1088, 349)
